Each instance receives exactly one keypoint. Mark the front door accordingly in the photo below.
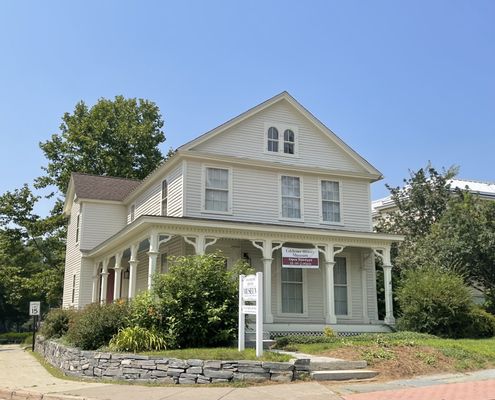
(110, 285)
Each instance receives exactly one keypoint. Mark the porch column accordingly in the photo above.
(152, 258)
(133, 263)
(267, 289)
(94, 294)
(330, 317)
(104, 282)
(118, 276)
(389, 304)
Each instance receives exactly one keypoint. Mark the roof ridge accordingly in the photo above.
(474, 180)
(106, 176)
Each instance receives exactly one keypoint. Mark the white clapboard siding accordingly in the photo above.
(256, 198)
(175, 193)
(248, 140)
(72, 259)
(150, 202)
(84, 296)
(99, 222)
(371, 279)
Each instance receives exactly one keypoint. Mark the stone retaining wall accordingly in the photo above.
(140, 368)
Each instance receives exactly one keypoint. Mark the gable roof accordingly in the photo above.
(303, 111)
(94, 187)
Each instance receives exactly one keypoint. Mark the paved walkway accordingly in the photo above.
(19, 370)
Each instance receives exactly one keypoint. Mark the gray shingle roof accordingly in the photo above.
(102, 187)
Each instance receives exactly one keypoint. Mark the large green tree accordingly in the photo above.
(118, 137)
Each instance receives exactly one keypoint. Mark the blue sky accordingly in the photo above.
(401, 82)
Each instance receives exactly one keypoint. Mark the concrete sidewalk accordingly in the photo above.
(20, 371)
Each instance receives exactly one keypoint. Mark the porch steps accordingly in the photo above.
(343, 375)
(337, 365)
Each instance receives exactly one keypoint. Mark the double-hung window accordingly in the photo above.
(78, 225)
(163, 263)
(330, 201)
(292, 290)
(340, 283)
(289, 141)
(273, 139)
(291, 197)
(217, 190)
(164, 197)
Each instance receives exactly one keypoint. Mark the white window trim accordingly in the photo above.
(349, 287)
(203, 190)
(78, 226)
(301, 197)
(131, 216)
(320, 200)
(161, 197)
(281, 129)
(278, 274)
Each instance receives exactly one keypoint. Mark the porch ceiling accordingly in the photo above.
(186, 226)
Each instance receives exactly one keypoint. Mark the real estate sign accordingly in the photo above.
(293, 257)
(251, 291)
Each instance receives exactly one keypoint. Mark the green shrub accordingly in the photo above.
(135, 339)
(199, 298)
(481, 324)
(286, 341)
(95, 325)
(56, 323)
(144, 311)
(434, 301)
(14, 337)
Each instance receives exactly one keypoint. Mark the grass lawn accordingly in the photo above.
(219, 353)
(406, 354)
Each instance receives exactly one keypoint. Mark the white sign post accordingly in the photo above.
(251, 289)
(34, 311)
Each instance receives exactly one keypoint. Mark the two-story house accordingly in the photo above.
(272, 180)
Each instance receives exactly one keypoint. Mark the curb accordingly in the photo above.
(19, 394)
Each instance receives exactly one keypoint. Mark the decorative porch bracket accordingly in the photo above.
(200, 243)
(267, 248)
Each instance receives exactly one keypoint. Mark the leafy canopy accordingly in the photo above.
(117, 137)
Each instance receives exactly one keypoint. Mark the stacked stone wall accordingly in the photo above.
(141, 368)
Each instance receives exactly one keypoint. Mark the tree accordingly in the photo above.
(115, 138)
(463, 241)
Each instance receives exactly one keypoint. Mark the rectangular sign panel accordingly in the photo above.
(249, 288)
(247, 309)
(300, 258)
(34, 308)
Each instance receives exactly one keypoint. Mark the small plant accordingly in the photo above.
(373, 355)
(329, 332)
(136, 339)
(427, 358)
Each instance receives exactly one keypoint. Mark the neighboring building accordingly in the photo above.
(485, 190)
(271, 179)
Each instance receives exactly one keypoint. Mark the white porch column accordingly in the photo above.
(330, 252)
(133, 263)
(94, 294)
(384, 254)
(267, 289)
(330, 317)
(364, 286)
(389, 303)
(104, 282)
(118, 276)
(152, 257)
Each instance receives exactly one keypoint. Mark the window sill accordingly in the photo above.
(281, 154)
(332, 223)
(291, 315)
(217, 212)
(291, 219)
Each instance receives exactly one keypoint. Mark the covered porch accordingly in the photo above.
(341, 292)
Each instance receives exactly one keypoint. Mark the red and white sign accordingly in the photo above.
(300, 258)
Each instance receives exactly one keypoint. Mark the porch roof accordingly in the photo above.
(139, 229)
